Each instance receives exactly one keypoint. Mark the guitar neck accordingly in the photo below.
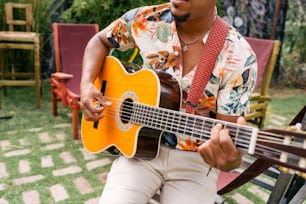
(192, 126)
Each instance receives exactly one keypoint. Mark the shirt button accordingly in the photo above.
(176, 53)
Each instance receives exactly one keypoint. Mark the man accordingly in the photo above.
(170, 38)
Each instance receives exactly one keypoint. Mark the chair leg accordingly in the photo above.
(2, 71)
(54, 105)
(75, 123)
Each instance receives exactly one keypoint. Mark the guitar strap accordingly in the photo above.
(208, 57)
(209, 54)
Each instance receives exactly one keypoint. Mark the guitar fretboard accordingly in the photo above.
(188, 125)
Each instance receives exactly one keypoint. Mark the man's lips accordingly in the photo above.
(179, 2)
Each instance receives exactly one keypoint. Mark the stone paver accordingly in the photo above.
(67, 171)
(257, 191)
(98, 163)
(82, 185)
(3, 171)
(17, 153)
(87, 155)
(3, 201)
(59, 193)
(241, 199)
(46, 161)
(29, 179)
(60, 136)
(24, 166)
(53, 146)
(5, 145)
(44, 137)
(31, 197)
(24, 141)
(67, 157)
(2, 186)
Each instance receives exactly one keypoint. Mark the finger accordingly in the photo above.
(241, 121)
(214, 136)
(228, 148)
(207, 153)
(226, 142)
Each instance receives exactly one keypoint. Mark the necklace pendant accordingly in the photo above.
(185, 48)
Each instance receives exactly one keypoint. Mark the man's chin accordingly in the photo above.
(181, 18)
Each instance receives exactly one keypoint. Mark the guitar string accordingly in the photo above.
(267, 150)
(240, 135)
(201, 130)
(277, 138)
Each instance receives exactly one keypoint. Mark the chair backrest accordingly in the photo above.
(266, 53)
(24, 9)
(70, 41)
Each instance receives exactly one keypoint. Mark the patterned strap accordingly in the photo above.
(209, 54)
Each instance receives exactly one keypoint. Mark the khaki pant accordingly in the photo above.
(181, 177)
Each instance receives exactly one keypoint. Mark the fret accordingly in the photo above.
(144, 114)
(203, 129)
(140, 115)
(236, 135)
(158, 119)
(176, 124)
(149, 116)
(208, 125)
(198, 131)
(166, 120)
(189, 125)
(182, 124)
(135, 113)
(171, 122)
(162, 120)
(154, 117)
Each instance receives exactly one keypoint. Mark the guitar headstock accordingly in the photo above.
(284, 147)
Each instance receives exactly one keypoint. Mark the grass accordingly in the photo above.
(27, 122)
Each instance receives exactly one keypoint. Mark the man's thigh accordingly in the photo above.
(130, 182)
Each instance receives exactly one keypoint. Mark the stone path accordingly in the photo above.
(59, 170)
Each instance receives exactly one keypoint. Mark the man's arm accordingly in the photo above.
(96, 50)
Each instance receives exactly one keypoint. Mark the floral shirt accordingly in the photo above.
(152, 29)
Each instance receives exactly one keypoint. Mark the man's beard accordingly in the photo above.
(181, 19)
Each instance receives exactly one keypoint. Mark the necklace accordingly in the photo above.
(185, 46)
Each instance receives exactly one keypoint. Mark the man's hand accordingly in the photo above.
(89, 95)
(219, 151)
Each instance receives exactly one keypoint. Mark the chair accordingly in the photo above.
(266, 52)
(69, 44)
(24, 40)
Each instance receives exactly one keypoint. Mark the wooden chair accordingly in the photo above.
(267, 52)
(20, 40)
(69, 44)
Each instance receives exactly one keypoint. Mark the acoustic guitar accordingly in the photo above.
(144, 104)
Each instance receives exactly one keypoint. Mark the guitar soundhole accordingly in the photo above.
(127, 111)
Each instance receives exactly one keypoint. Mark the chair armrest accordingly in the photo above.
(61, 76)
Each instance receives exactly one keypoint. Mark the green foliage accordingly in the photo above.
(102, 12)
(293, 62)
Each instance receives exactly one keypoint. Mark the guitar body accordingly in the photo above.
(123, 89)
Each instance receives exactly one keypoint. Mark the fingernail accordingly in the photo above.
(107, 103)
